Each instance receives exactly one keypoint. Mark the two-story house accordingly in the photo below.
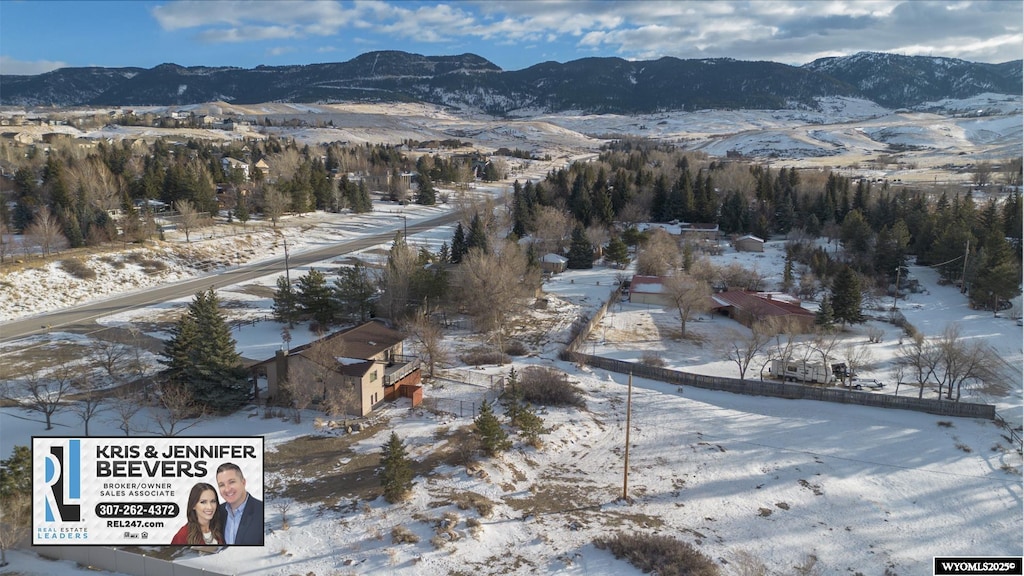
(365, 361)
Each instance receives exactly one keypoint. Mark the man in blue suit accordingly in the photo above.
(244, 525)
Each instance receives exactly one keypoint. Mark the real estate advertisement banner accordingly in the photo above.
(118, 491)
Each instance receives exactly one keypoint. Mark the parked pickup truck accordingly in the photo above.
(859, 383)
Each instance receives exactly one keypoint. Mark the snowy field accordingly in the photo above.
(858, 489)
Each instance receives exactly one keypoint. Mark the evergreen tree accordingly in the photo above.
(16, 475)
(601, 200)
(787, 272)
(581, 251)
(314, 298)
(286, 308)
(493, 438)
(824, 316)
(477, 237)
(354, 290)
(846, 297)
(444, 254)
(734, 214)
(530, 424)
(242, 211)
(201, 355)
(427, 196)
(519, 210)
(396, 470)
(660, 209)
(617, 252)
(999, 276)
(513, 396)
(459, 247)
(15, 499)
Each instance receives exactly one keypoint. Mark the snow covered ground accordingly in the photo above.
(859, 489)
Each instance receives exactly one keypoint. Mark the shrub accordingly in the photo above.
(652, 359)
(516, 348)
(402, 535)
(479, 357)
(663, 555)
(548, 387)
(78, 269)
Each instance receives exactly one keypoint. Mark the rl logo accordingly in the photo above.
(63, 477)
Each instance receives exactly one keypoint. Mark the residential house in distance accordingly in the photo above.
(749, 243)
(748, 308)
(648, 290)
(699, 231)
(553, 263)
(229, 164)
(364, 364)
(263, 167)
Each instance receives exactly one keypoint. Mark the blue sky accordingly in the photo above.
(41, 35)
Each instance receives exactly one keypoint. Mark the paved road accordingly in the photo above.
(85, 314)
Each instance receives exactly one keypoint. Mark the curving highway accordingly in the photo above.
(85, 314)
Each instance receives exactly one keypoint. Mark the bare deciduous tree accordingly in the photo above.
(179, 410)
(43, 394)
(688, 296)
(899, 373)
(274, 204)
(490, 285)
(739, 276)
(784, 334)
(743, 347)
(660, 255)
(45, 232)
(301, 393)
(5, 242)
(921, 360)
(125, 404)
(553, 229)
(113, 357)
(15, 522)
(430, 337)
(90, 399)
(966, 360)
(822, 346)
(188, 217)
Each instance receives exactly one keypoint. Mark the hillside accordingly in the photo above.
(591, 85)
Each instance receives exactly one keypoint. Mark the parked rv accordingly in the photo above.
(802, 371)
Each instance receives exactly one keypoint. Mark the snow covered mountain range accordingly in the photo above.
(589, 85)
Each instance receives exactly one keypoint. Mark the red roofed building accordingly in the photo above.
(749, 307)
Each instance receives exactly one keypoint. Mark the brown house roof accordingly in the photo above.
(358, 345)
(760, 304)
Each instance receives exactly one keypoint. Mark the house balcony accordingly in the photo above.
(400, 367)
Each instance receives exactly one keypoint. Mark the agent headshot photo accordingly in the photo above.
(205, 526)
(244, 513)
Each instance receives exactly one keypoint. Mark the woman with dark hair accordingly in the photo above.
(205, 525)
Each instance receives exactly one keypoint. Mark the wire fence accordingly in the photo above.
(582, 327)
(462, 393)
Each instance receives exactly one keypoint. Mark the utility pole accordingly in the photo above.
(896, 293)
(287, 277)
(629, 411)
(963, 275)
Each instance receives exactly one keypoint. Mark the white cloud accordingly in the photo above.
(280, 50)
(782, 30)
(9, 65)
